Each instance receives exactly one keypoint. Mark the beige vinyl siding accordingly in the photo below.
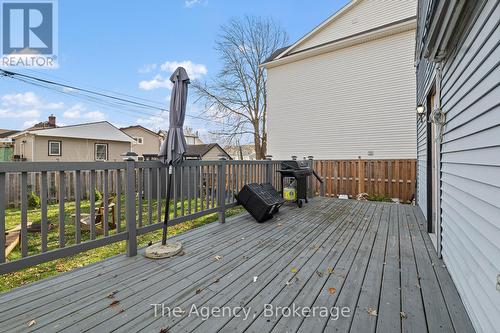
(471, 169)
(151, 142)
(76, 150)
(361, 16)
(342, 104)
(213, 154)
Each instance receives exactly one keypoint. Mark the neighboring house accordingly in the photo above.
(5, 133)
(50, 123)
(98, 141)
(146, 142)
(211, 151)
(6, 149)
(6, 145)
(241, 152)
(347, 88)
(192, 138)
(458, 185)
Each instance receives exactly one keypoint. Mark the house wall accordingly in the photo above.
(23, 146)
(362, 16)
(151, 142)
(74, 149)
(346, 103)
(470, 164)
(193, 140)
(213, 154)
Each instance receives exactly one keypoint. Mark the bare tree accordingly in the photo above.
(237, 95)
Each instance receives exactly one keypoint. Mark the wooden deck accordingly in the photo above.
(373, 259)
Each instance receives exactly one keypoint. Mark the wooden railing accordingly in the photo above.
(135, 201)
(388, 178)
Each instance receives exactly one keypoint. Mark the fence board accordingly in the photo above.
(390, 178)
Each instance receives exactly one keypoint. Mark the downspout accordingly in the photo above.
(438, 117)
(33, 148)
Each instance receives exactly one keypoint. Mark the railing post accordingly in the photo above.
(269, 169)
(130, 212)
(3, 199)
(221, 189)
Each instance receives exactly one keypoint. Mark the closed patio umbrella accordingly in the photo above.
(171, 153)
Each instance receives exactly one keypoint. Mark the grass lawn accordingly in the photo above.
(34, 273)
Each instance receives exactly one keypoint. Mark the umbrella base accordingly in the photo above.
(158, 251)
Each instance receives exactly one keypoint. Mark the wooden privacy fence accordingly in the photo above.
(389, 178)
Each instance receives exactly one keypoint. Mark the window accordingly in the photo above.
(101, 151)
(138, 140)
(55, 148)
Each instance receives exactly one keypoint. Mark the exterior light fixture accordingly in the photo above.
(420, 111)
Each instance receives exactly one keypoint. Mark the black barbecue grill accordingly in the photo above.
(299, 170)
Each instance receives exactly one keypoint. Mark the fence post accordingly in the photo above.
(221, 189)
(269, 169)
(361, 175)
(130, 212)
(310, 179)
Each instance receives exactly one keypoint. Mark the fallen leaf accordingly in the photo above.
(255, 278)
(165, 330)
(372, 312)
(121, 310)
(217, 258)
(318, 273)
(31, 323)
(332, 291)
(293, 270)
(198, 291)
(114, 303)
(330, 270)
(112, 294)
(280, 224)
(217, 280)
(403, 315)
(242, 238)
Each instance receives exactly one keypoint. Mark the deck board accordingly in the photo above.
(381, 257)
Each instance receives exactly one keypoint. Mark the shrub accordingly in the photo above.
(97, 194)
(33, 200)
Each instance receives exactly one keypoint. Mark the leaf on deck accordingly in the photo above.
(114, 303)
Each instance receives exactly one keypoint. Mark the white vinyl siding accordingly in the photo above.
(470, 167)
(345, 103)
(361, 16)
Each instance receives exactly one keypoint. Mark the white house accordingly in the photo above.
(347, 88)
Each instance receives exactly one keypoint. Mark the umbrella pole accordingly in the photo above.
(167, 209)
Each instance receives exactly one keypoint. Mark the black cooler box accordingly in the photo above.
(260, 200)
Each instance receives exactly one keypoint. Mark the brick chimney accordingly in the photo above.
(52, 121)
